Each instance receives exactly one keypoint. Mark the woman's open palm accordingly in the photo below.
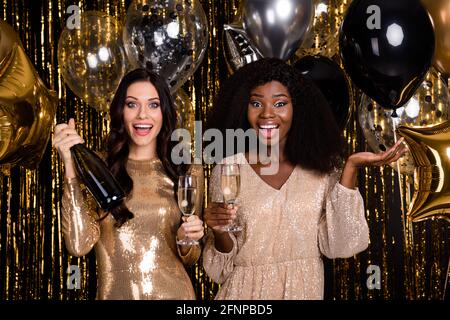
(360, 159)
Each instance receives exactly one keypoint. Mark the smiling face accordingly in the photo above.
(270, 112)
(142, 118)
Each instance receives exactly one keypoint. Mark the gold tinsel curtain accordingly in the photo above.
(413, 259)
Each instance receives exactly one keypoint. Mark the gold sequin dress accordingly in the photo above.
(278, 253)
(139, 260)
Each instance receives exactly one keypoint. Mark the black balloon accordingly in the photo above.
(387, 48)
(331, 80)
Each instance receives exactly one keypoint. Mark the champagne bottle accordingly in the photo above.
(97, 178)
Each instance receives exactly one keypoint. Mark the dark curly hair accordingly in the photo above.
(314, 140)
(118, 139)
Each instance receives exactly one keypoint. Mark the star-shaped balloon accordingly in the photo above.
(430, 148)
(27, 107)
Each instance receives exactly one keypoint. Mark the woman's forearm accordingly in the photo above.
(348, 178)
(223, 242)
(69, 169)
(80, 228)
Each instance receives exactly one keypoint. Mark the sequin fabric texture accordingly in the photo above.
(139, 260)
(278, 255)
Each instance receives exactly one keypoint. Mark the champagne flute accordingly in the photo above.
(187, 197)
(230, 184)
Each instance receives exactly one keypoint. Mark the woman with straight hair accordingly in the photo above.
(136, 242)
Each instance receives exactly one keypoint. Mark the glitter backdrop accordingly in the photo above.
(413, 259)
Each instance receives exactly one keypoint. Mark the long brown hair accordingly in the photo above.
(118, 139)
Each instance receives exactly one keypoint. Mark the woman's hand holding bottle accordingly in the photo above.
(64, 138)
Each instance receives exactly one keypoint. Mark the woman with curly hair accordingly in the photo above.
(308, 208)
(135, 243)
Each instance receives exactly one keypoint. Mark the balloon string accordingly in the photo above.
(407, 226)
(400, 185)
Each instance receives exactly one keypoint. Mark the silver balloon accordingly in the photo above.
(237, 47)
(277, 27)
(168, 36)
(429, 106)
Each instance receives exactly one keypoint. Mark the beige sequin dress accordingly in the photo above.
(278, 253)
(139, 260)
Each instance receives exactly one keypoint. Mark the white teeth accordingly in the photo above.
(268, 126)
(143, 126)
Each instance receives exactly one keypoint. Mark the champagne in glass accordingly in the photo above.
(230, 187)
(186, 200)
(230, 184)
(187, 196)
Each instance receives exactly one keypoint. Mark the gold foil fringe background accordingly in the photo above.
(34, 262)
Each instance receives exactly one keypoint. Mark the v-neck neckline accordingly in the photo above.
(264, 182)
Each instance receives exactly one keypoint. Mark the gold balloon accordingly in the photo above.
(8, 38)
(430, 148)
(92, 58)
(27, 107)
(439, 11)
(323, 37)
